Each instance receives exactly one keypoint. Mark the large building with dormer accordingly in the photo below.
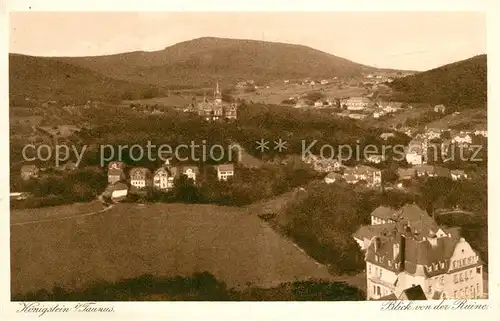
(405, 248)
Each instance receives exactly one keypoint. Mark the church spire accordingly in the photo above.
(217, 88)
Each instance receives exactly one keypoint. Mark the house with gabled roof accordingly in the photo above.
(29, 171)
(413, 250)
(164, 176)
(192, 172)
(116, 172)
(225, 171)
(458, 174)
(140, 177)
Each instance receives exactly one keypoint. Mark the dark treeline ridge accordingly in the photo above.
(199, 287)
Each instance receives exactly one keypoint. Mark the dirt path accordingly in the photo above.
(63, 218)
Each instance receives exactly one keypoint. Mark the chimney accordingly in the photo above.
(376, 243)
(402, 250)
(432, 240)
(395, 250)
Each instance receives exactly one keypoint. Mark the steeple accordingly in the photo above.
(217, 92)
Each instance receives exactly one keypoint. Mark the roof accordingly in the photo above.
(413, 293)
(442, 171)
(116, 164)
(350, 178)
(193, 168)
(406, 172)
(370, 231)
(383, 212)
(358, 99)
(225, 167)
(333, 175)
(29, 168)
(425, 168)
(140, 171)
(171, 171)
(390, 297)
(114, 187)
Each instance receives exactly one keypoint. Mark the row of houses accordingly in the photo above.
(163, 177)
(372, 177)
(405, 248)
(430, 171)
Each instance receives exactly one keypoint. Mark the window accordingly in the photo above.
(470, 274)
(430, 289)
(378, 290)
(454, 264)
(477, 288)
(461, 293)
(441, 280)
(478, 270)
(369, 269)
(467, 292)
(374, 289)
(461, 276)
(466, 277)
(380, 273)
(455, 278)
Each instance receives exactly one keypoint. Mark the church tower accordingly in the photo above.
(217, 94)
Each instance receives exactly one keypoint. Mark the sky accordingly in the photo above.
(399, 40)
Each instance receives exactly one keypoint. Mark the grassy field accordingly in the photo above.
(55, 212)
(170, 101)
(276, 94)
(467, 119)
(130, 240)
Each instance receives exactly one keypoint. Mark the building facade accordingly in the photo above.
(140, 177)
(215, 109)
(406, 248)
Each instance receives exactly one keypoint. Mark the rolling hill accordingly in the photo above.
(50, 79)
(198, 62)
(164, 240)
(461, 84)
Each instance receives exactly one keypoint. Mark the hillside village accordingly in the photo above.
(399, 249)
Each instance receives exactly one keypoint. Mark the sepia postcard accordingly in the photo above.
(198, 157)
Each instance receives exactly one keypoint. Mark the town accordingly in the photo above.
(350, 182)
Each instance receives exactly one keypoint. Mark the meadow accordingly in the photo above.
(163, 240)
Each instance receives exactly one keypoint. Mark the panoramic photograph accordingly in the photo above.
(248, 156)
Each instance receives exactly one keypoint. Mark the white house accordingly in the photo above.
(462, 138)
(481, 132)
(191, 172)
(458, 174)
(410, 250)
(164, 177)
(356, 103)
(140, 177)
(376, 159)
(332, 177)
(225, 171)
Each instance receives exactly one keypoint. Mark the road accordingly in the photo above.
(63, 218)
